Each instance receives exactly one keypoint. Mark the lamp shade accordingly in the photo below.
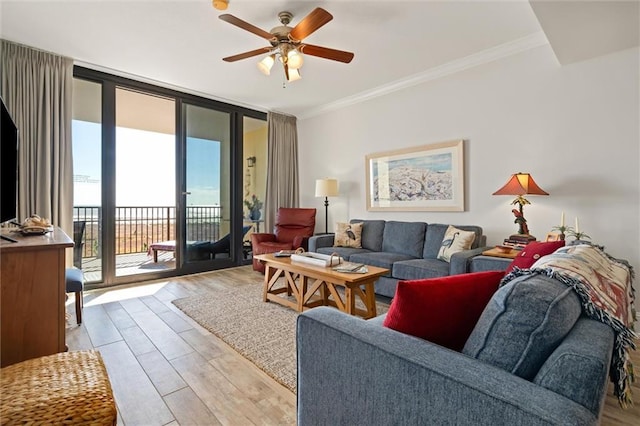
(521, 184)
(326, 187)
(294, 59)
(265, 65)
(294, 75)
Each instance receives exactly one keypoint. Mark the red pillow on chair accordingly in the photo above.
(532, 252)
(442, 310)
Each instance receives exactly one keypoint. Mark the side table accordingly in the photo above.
(492, 260)
(495, 252)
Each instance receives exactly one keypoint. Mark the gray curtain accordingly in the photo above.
(36, 87)
(282, 174)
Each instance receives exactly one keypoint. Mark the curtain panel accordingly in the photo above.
(282, 170)
(36, 87)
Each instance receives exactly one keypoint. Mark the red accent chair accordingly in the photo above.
(293, 228)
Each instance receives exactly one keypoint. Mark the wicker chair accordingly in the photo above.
(64, 388)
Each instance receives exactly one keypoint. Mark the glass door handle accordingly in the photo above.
(186, 193)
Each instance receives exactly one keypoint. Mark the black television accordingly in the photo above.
(8, 166)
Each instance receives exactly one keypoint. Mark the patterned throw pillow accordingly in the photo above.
(455, 240)
(348, 235)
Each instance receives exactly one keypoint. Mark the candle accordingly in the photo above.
(577, 227)
(562, 220)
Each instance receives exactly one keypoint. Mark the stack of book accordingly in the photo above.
(517, 242)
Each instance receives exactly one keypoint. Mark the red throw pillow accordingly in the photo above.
(532, 252)
(442, 310)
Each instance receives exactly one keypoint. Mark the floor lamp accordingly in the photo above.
(326, 188)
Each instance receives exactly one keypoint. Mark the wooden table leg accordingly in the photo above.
(370, 299)
(350, 302)
(268, 272)
(302, 291)
(155, 255)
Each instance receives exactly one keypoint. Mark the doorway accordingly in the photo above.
(158, 179)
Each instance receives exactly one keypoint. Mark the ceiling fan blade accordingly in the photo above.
(326, 53)
(246, 55)
(246, 26)
(317, 18)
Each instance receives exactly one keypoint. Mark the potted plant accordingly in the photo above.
(254, 205)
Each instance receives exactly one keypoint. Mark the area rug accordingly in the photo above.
(262, 332)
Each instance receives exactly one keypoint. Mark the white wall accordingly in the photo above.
(574, 128)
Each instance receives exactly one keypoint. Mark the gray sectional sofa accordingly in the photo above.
(408, 249)
(532, 359)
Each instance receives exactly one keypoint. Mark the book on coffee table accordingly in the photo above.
(352, 268)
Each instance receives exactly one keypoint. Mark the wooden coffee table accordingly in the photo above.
(313, 286)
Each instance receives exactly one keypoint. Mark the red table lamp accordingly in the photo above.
(521, 184)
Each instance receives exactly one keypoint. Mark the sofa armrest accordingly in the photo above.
(461, 261)
(318, 241)
(579, 366)
(351, 371)
(257, 238)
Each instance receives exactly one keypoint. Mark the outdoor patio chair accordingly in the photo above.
(204, 250)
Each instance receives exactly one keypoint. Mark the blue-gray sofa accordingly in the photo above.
(408, 249)
(533, 358)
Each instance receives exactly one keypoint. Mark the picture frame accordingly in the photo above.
(553, 236)
(422, 178)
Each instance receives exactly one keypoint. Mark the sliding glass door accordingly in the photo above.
(208, 213)
(159, 179)
(145, 178)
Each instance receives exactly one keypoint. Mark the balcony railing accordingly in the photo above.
(138, 227)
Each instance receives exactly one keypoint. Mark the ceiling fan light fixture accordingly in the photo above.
(220, 4)
(294, 75)
(294, 59)
(265, 64)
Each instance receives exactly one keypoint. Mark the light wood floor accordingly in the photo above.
(167, 370)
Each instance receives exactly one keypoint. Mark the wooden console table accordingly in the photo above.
(32, 294)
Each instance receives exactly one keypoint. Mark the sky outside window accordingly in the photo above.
(145, 167)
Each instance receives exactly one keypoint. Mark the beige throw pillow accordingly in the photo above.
(455, 240)
(348, 235)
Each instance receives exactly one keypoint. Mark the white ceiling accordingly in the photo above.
(181, 43)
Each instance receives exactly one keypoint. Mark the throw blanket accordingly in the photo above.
(604, 286)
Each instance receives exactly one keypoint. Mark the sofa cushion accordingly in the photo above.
(442, 310)
(523, 324)
(381, 259)
(435, 235)
(344, 252)
(348, 235)
(455, 240)
(420, 268)
(404, 237)
(372, 231)
(532, 252)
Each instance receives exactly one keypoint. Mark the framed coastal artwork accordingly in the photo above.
(422, 178)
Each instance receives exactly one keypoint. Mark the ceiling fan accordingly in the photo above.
(287, 43)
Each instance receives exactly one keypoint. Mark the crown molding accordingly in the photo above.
(489, 55)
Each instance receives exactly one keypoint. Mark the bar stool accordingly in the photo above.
(74, 279)
(65, 388)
